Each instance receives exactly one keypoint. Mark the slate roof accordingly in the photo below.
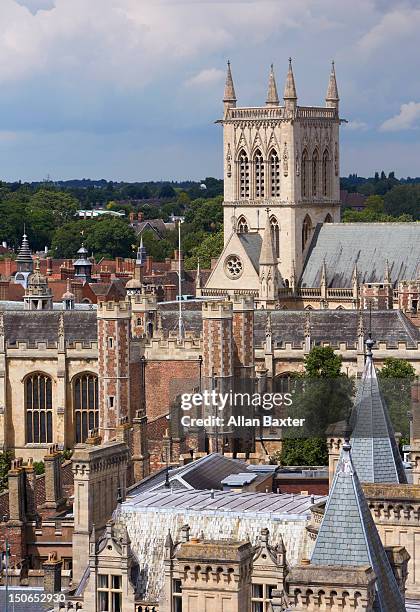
(205, 473)
(335, 326)
(280, 505)
(348, 535)
(375, 453)
(369, 245)
(252, 244)
(42, 326)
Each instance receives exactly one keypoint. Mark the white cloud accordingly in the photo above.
(398, 24)
(208, 76)
(356, 125)
(407, 119)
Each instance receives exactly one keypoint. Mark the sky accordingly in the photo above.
(130, 89)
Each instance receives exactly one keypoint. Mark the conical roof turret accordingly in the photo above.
(272, 95)
(290, 87)
(332, 99)
(229, 96)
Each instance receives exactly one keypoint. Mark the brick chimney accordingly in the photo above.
(140, 457)
(52, 573)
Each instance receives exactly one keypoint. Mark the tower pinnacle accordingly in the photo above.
(272, 95)
(290, 96)
(229, 97)
(332, 98)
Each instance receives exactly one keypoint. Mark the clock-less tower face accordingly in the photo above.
(285, 158)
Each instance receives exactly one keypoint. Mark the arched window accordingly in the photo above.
(315, 162)
(38, 404)
(326, 173)
(243, 175)
(328, 219)
(274, 161)
(259, 174)
(275, 234)
(304, 174)
(306, 230)
(243, 225)
(85, 405)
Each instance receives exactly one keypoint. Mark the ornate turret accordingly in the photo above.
(229, 97)
(68, 297)
(82, 265)
(290, 96)
(332, 98)
(24, 262)
(272, 95)
(38, 296)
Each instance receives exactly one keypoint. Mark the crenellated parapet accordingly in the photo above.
(331, 588)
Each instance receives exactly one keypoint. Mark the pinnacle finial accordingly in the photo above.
(332, 99)
(229, 96)
(272, 95)
(290, 95)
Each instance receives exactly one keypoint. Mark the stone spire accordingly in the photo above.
(198, 281)
(267, 255)
(348, 536)
(272, 95)
(268, 272)
(375, 451)
(141, 253)
(332, 98)
(290, 96)
(229, 97)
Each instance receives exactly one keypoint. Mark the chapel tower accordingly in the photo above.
(281, 157)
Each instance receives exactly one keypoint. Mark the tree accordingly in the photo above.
(62, 205)
(210, 247)
(167, 191)
(403, 199)
(159, 248)
(395, 378)
(322, 396)
(110, 237)
(310, 451)
(5, 464)
(68, 238)
(322, 362)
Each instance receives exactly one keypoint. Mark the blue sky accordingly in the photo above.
(130, 89)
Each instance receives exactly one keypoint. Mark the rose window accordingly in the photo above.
(233, 266)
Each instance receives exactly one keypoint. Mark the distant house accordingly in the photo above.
(355, 201)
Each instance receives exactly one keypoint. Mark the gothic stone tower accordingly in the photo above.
(280, 159)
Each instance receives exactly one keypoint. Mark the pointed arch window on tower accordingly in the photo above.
(326, 174)
(275, 235)
(242, 225)
(259, 174)
(85, 405)
(306, 230)
(38, 407)
(315, 163)
(243, 175)
(304, 174)
(274, 162)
